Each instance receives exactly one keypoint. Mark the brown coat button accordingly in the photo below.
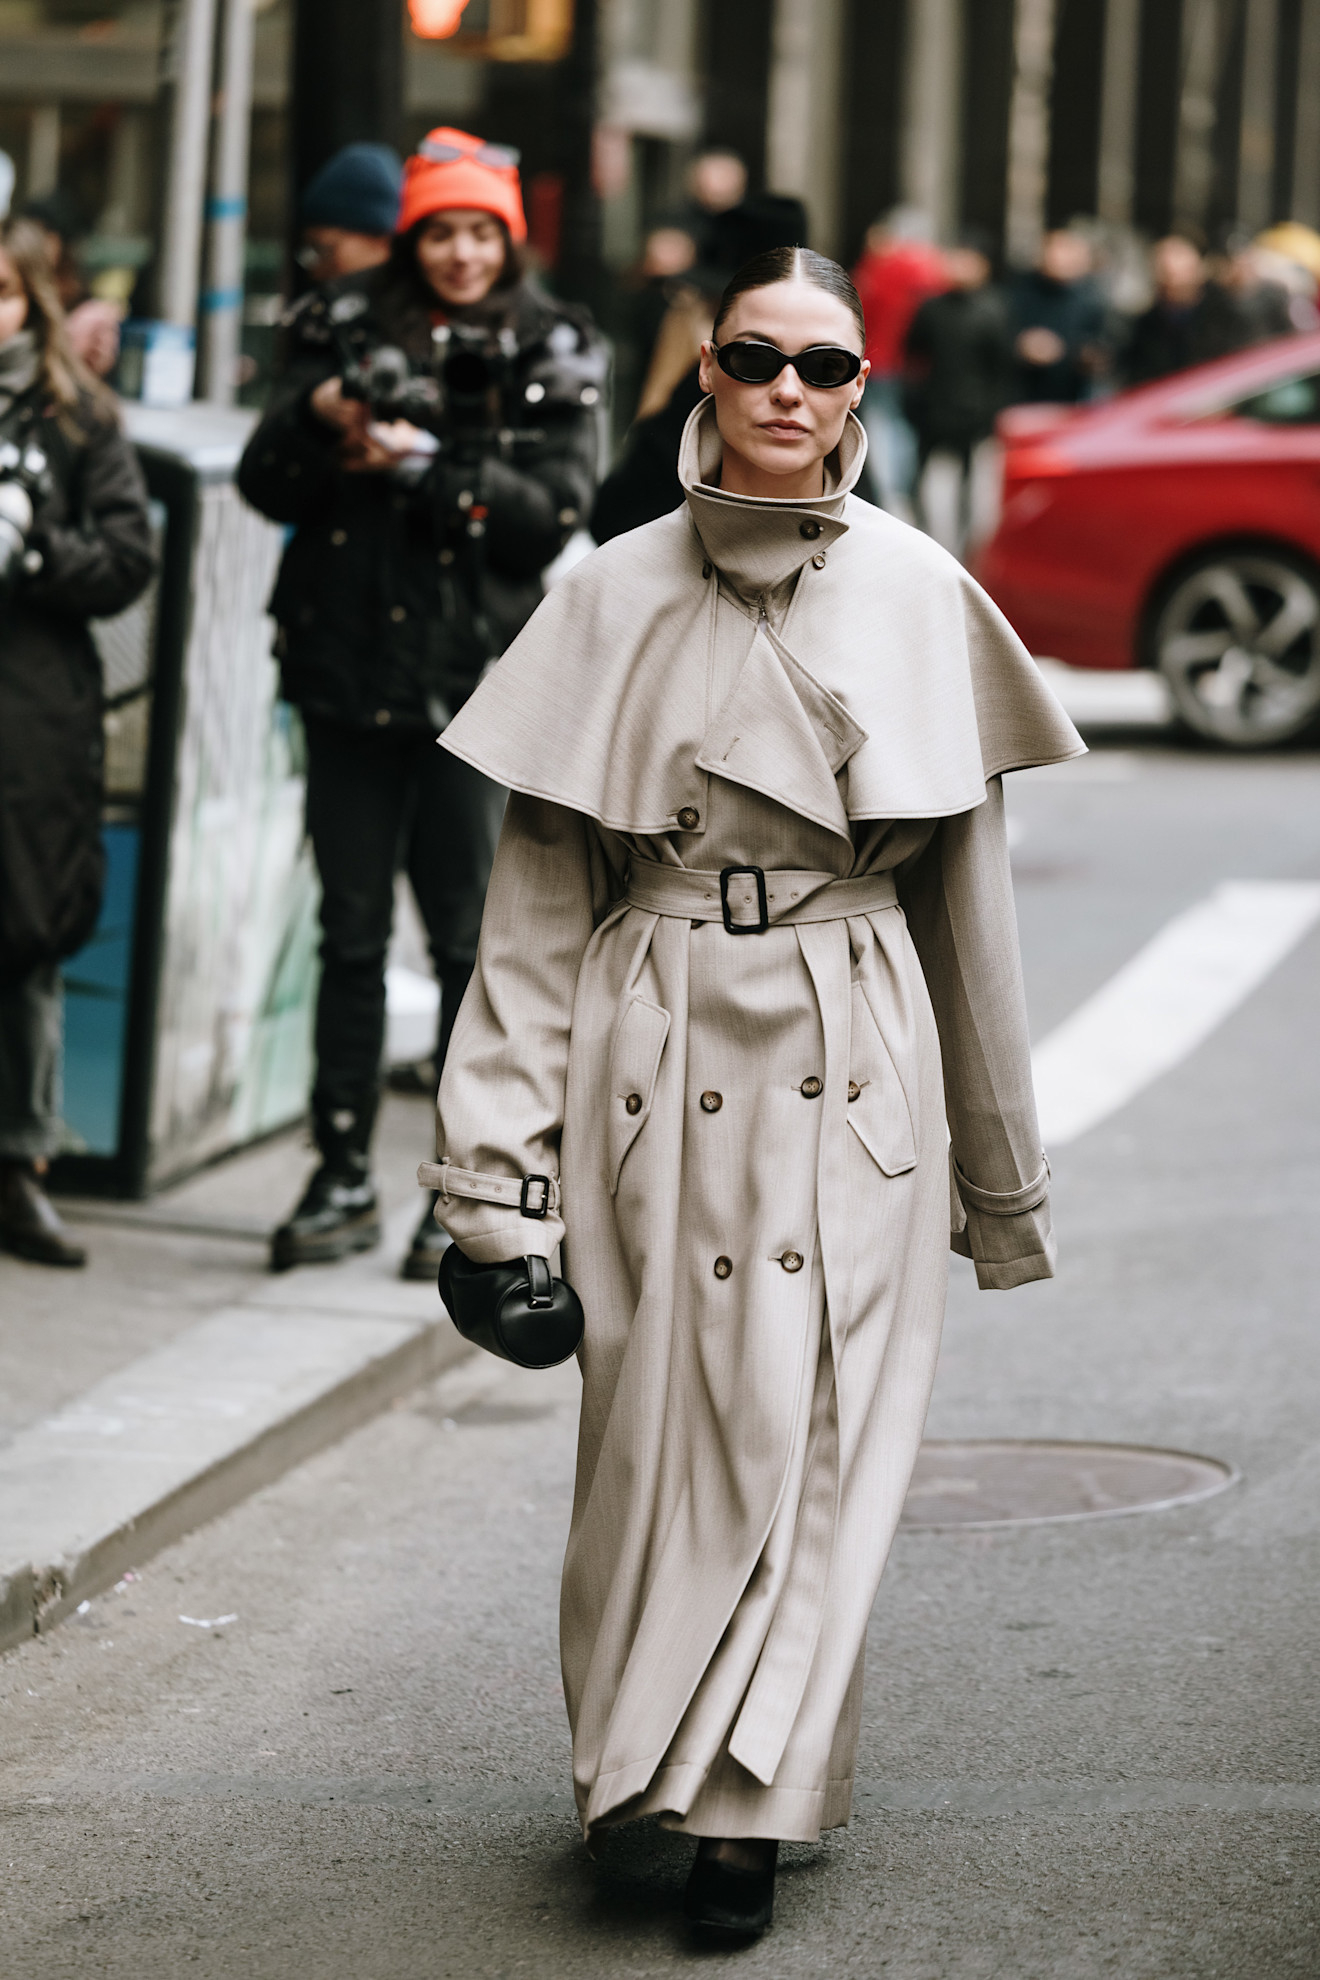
(792, 1261)
(712, 1102)
(818, 561)
(723, 1267)
(634, 1103)
(689, 818)
(812, 1088)
(853, 1089)
(811, 530)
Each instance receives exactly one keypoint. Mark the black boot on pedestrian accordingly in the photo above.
(30, 1225)
(428, 1247)
(338, 1213)
(729, 1900)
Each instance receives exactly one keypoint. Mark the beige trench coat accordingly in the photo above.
(746, 1136)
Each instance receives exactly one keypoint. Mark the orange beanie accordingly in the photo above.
(453, 169)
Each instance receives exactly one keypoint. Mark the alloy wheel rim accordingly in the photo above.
(1239, 644)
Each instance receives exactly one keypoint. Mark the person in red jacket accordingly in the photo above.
(899, 268)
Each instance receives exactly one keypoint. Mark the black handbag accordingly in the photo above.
(517, 1310)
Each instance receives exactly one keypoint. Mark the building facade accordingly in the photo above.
(1009, 115)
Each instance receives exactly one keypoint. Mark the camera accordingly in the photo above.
(464, 391)
(24, 482)
(456, 395)
(384, 381)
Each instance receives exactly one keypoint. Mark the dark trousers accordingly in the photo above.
(31, 1041)
(378, 803)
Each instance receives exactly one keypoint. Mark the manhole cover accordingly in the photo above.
(1005, 1483)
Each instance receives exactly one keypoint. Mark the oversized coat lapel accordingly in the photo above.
(782, 734)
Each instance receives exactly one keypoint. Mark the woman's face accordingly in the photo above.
(784, 428)
(461, 255)
(13, 299)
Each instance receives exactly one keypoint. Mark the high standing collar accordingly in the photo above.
(756, 541)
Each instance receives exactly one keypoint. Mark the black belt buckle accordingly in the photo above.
(744, 927)
(542, 1210)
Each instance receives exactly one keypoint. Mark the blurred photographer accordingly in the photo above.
(75, 544)
(434, 447)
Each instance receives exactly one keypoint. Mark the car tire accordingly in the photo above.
(1236, 635)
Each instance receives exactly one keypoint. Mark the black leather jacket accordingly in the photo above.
(394, 593)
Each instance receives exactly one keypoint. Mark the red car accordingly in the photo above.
(1177, 526)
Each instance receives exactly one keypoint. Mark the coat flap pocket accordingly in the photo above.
(634, 1063)
(879, 1114)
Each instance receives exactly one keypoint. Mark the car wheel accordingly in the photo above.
(1237, 638)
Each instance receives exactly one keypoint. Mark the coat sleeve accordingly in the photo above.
(290, 466)
(500, 1112)
(98, 565)
(958, 898)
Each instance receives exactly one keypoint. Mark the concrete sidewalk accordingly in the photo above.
(177, 1374)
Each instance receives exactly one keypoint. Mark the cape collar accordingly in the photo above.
(890, 666)
(757, 541)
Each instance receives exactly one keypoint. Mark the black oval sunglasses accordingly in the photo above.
(823, 365)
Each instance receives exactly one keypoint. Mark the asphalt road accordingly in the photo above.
(1088, 1750)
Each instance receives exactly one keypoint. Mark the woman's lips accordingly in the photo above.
(787, 429)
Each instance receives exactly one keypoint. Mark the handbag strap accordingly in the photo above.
(540, 1285)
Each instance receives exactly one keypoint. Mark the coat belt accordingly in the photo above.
(738, 894)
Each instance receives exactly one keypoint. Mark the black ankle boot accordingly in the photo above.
(428, 1247)
(338, 1214)
(30, 1225)
(726, 1903)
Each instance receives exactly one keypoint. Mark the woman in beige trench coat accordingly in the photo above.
(749, 943)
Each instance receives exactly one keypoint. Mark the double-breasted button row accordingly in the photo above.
(792, 1261)
(853, 1089)
(811, 1087)
(711, 1102)
(633, 1103)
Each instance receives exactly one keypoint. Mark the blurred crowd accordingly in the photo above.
(953, 340)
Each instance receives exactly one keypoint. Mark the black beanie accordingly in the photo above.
(357, 189)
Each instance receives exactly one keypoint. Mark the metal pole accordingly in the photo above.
(222, 304)
(190, 124)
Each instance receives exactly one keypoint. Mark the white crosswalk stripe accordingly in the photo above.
(1167, 1000)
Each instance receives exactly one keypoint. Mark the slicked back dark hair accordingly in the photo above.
(793, 264)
